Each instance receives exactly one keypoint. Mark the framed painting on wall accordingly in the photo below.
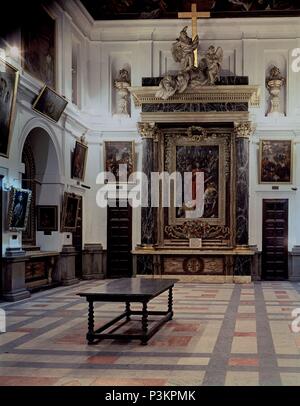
(18, 209)
(119, 159)
(38, 47)
(9, 80)
(47, 218)
(276, 161)
(79, 161)
(50, 104)
(70, 212)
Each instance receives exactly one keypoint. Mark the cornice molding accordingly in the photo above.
(208, 94)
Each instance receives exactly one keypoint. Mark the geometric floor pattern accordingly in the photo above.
(221, 334)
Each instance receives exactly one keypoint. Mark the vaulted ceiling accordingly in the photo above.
(141, 9)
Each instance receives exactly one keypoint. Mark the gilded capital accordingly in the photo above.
(243, 129)
(149, 130)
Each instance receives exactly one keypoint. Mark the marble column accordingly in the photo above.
(242, 132)
(149, 133)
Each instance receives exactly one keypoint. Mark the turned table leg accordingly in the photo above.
(145, 323)
(170, 303)
(90, 334)
(128, 311)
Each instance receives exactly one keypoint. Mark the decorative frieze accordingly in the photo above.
(197, 229)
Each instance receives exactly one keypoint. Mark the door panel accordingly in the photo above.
(275, 239)
(119, 241)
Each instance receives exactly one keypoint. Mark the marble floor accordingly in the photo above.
(221, 335)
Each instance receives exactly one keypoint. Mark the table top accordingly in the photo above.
(129, 288)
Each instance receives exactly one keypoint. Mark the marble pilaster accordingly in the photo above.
(149, 133)
(242, 133)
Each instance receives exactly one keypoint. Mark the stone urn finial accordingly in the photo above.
(274, 83)
(122, 83)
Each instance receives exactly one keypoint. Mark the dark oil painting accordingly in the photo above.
(201, 159)
(47, 218)
(38, 39)
(18, 208)
(50, 104)
(9, 78)
(275, 161)
(147, 9)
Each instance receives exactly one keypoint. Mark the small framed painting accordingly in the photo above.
(50, 104)
(18, 209)
(119, 159)
(276, 161)
(70, 212)
(9, 80)
(47, 218)
(79, 161)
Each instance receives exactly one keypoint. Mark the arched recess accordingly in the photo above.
(42, 176)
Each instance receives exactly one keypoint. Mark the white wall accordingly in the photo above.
(250, 47)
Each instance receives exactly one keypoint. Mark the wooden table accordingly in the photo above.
(129, 290)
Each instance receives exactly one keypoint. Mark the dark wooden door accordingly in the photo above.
(275, 239)
(77, 242)
(119, 240)
(1, 208)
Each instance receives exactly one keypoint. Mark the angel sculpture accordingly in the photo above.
(183, 50)
(213, 58)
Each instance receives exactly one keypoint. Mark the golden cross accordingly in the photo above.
(194, 15)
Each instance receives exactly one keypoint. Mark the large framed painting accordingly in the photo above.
(206, 155)
(119, 159)
(9, 80)
(18, 209)
(276, 161)
(79, 161)
(38, 47)
(50, 104)
(47, 218)
(70, 212)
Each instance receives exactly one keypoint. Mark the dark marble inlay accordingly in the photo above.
(193, 107)
(148, 213)
(224, 81)
(242, 198)
(144, 264)
(242, 265)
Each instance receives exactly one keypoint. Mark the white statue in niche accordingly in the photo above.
(122, 83)
(274, 83)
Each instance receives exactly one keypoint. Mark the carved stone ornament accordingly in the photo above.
(197, 229)
(244, 129)
(274, 83)
(190, 77)
(122, 83)
(149, 130)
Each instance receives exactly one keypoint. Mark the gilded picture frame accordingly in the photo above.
(172, 141)
(9, 81)
(70, 211)
(50, 104)
(276, 161)
(117, 153)
(79, 160)
(18, 208)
